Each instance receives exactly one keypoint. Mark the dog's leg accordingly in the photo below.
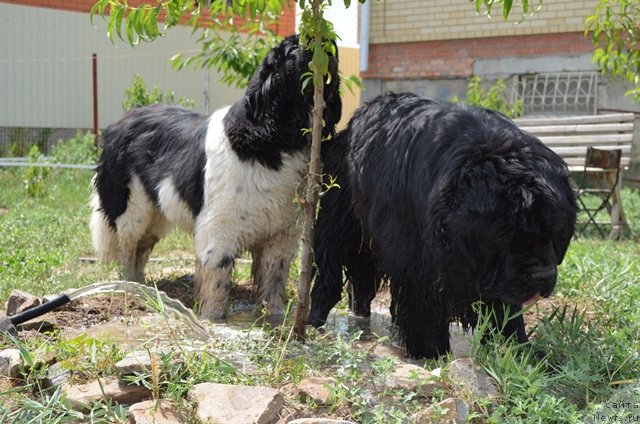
(361, 273)
(424, 328)
(158, 228)
(214, 265)
(131, 228)
(272, 269)
(327, 290)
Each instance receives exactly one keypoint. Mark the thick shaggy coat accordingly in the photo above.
(230, 178)
(452, 203)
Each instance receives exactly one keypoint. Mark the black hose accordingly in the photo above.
(39, 310)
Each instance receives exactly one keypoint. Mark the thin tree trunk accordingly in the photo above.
(311, 197)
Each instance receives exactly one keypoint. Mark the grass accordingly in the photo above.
(44, 237)
(591, 334)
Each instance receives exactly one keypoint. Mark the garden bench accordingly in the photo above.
(569, 137)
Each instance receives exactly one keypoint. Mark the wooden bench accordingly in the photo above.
(569, 137)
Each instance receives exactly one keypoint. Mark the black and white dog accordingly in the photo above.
(230, 178)
(453, 204)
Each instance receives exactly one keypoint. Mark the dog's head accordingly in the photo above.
(512, 219)
(276, 90)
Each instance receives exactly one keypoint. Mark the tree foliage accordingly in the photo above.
(234, 35)
(615, 31)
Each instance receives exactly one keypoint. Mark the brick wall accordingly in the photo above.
(396, 21)
(454, 58)
(285, 26)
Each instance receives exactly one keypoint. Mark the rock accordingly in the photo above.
(19, 301)
(316, 389)
(449, 411)
(383, 351)
(467, 375)
(49, 297)
(140, 361)
(10, 362)
(39, 326)
(413, 378)
(83, 395)
(319, 421)
(6, 327)
(233, 404)
(56, 376)
(155, 412)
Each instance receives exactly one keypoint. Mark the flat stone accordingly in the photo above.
(449, 411)
(413, 378)
(10, 362)
(155, 412)
(39, 326)
(81, 396)
(383, 351)
(56, 376)
(316, 389)
(319, 421)
(140, 361)
(466, 374)
(19, 301)
(234, 404)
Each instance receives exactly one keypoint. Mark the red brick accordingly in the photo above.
(455, 57)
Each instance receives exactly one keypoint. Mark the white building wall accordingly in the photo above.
(46, 69)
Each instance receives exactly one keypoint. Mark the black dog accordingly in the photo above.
(229, 178)
(453, 203)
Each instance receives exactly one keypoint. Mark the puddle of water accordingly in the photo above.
(379, 325)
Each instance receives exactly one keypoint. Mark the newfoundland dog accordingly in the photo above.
(229, 178)
(452, 203)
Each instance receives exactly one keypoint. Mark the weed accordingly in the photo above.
(495, 98)
(35, 176)
(138, 95)
(80, 149)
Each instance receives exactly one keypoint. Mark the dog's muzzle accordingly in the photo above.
(544, 279)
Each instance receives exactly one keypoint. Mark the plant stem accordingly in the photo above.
(311, 197)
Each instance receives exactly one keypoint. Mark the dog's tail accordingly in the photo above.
(103, 236)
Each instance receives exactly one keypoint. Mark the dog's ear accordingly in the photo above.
(261, 84)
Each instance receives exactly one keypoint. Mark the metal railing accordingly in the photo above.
(561, 92)
(24, 162)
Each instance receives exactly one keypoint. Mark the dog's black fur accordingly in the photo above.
(453, 203)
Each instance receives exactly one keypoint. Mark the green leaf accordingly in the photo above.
(117, 17)
(138, 23)
(506, 8)
(479, 4)
(151, 24)
(320, 61)
(98, 8)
